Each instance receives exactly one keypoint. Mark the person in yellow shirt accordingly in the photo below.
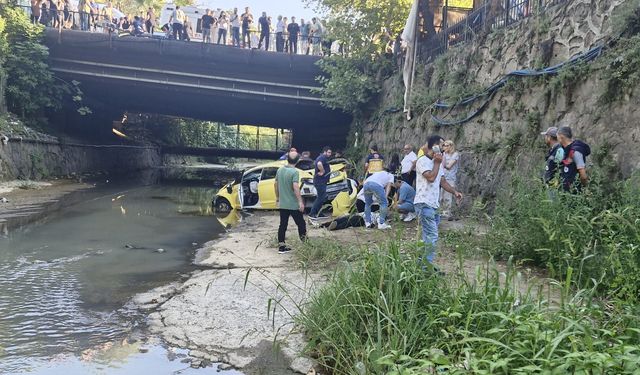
(374, 162)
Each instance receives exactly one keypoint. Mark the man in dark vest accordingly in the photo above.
(554, 156)
(574, 162)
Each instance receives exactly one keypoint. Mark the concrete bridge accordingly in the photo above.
(195, 80)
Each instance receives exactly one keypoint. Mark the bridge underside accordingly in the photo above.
(215, 83)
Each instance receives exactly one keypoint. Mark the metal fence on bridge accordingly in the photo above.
(83, 21)
(490, 15)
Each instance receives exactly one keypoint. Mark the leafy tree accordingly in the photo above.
(30, 85)
(363, 24)
(364, 28)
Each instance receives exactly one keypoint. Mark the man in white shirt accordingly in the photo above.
(280, 27)
(177, 18)
(430, 178)
(407, 171)
(379, 185)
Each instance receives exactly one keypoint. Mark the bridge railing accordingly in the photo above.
(83, 21)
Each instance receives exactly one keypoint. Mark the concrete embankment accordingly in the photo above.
(38, 159)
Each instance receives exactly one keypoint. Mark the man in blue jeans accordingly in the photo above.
(406, 195)
(429, 180)
(378, 185)
(321, 178)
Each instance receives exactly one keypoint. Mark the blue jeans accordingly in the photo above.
(406, 207)
(321, 189)
(429, 220)
(371, 189)
(235, 34)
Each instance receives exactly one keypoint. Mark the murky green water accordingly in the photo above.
(64, 282)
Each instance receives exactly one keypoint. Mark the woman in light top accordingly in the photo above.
(451, 164)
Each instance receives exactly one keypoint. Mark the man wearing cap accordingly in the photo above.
(574, 161)
(554, 155)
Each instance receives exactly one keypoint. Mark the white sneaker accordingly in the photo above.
(403, 216)
(384, 226)
(368, 225)
(410, 217)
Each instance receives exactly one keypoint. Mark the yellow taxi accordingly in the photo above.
(256, 188)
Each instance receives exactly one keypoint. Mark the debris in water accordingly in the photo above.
(160, 251)
(4, 200)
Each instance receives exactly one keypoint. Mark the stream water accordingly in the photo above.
(64, 282)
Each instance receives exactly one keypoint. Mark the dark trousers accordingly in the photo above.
(177, 31)
(320, 198)
(293, 46)
(246, 37)
(222, 35)
(279, 42)
(284, 222)
(265, 37)
(409, 177)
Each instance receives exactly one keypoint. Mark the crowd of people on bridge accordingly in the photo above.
(422, 185)
(241, 30)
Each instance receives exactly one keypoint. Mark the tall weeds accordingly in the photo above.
(596, 233)
(388, 315)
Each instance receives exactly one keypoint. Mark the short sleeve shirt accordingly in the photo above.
(578, 158)
(376, 163)
(235, 20)
(285, 177)
(452, 174)
(407, 162)
(324, 179)
(264, 23)
(382, 178)
(427, 192)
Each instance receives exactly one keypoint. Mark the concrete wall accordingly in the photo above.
(27, 159)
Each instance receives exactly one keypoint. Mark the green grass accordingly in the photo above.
(385, 314)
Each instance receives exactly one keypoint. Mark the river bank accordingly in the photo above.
(241, 311)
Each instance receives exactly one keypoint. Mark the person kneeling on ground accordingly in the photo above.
(378, 185)
(289, 200)
(404, 205)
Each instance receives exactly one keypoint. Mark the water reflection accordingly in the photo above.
(63, 282)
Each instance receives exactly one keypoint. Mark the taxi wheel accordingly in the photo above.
(222, 205)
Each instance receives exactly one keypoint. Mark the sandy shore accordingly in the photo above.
(233, 312)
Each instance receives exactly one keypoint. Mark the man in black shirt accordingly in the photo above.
(294, 29)
(321, 178)
(247, 20)
(207, 22)
(265, 29)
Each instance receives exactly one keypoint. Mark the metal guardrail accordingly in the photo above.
(91, 22)
(491, 15)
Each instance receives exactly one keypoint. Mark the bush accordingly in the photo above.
(388, 315)
(30, 85)
(597, 232)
